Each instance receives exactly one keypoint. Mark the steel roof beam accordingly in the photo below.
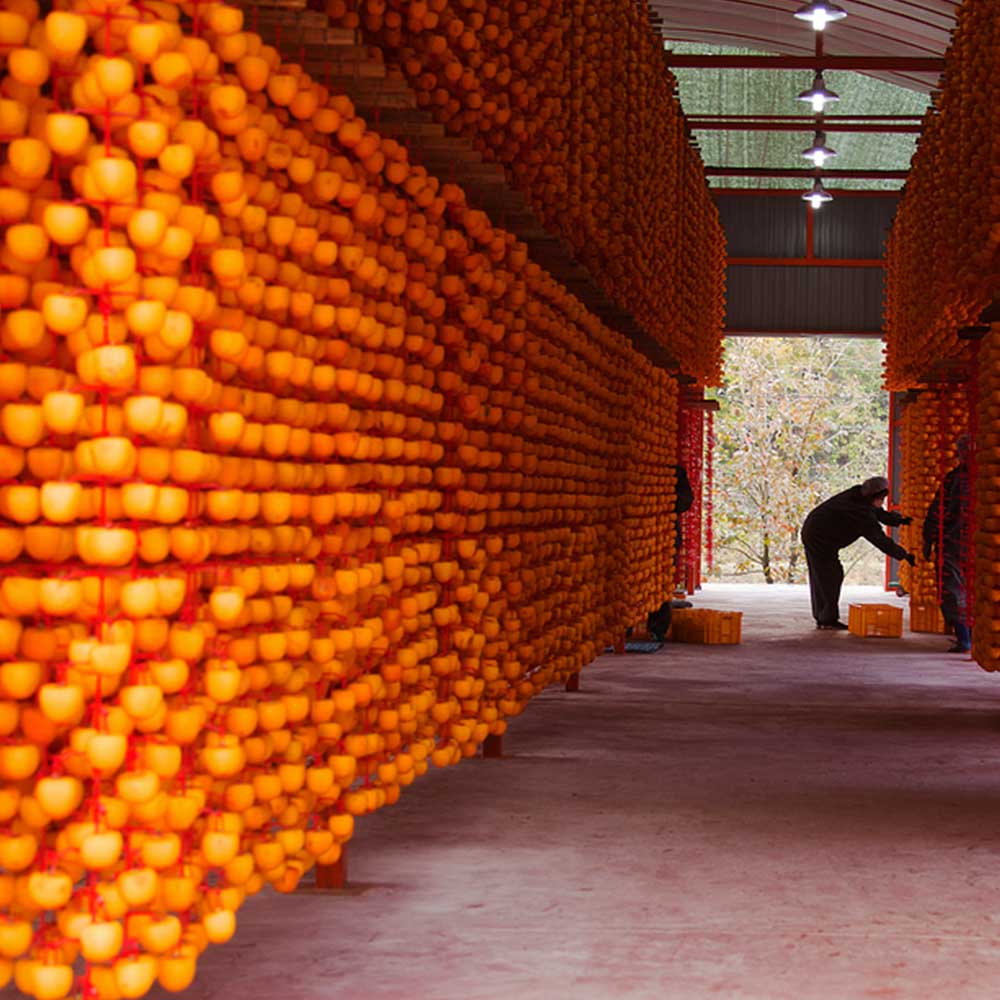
(859, 64)
(798, 125)
(807, 174)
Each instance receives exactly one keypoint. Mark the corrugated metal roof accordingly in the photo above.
(872, 27)
(804, 299)
(775, 226)
(763, 227)
(854, 227)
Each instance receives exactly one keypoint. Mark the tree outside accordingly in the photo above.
(801, 419)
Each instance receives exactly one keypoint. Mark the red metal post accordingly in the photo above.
(972, 463)
(679, 521)
(333, 876)
(892, 478)
(709, 490)
(698, 541)
(942, 471)
(691, 427)
(684, 458)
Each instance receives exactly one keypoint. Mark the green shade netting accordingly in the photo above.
(774, 92)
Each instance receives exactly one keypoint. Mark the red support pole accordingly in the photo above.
(333, 876)
(699, 445)
(691, 427)
(972, 463)
(684, 459)
(942, 472)
(493, 747)
(892, 476)
(709, 490)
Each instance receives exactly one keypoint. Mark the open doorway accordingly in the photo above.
(801, 419)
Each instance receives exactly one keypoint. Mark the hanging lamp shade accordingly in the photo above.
(818, 95)
(819, 152)
(820, 13)
(818, 195)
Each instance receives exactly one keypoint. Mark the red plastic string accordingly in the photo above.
(969, 518)
(941, 500)
(709, 499)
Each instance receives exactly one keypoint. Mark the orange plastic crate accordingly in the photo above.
(706, 626)
(927, 618)
(688, 625)
(875, 620)
(725, 628)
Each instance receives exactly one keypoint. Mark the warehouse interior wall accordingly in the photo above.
(792, 269)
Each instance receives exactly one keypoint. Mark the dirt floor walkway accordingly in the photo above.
(806, 816)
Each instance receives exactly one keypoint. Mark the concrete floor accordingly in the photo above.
(807, 816)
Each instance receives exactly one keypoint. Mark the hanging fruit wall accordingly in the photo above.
(574, 99)
(309, 478)
(940, 268)
(986, 549)
(931, 426)
(941, 275)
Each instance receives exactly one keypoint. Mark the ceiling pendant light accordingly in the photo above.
(818, 196)
(817, 95)
(820, 13)
(819, 152)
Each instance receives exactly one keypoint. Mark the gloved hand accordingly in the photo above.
(928, 548)
(894, 519)
(910, 558)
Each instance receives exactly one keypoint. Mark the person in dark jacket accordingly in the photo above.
(684, 491)
(833, 525)
(658, 621)
(945, 529)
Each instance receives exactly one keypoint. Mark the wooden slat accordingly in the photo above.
(352, 68)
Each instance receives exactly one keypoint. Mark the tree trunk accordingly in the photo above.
(765, 560)
(793, 560)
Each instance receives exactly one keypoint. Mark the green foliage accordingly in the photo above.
(801, 419)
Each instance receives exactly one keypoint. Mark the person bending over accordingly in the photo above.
(833, 525)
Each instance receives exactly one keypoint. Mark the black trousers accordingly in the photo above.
(826, 577)
(953, 597)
